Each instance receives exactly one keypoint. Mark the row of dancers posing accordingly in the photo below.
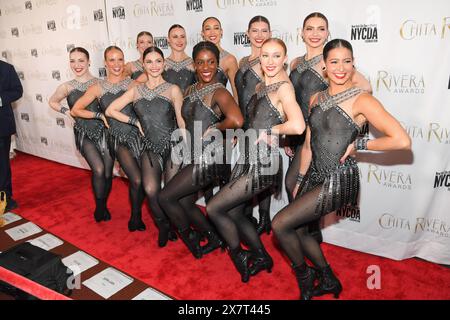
(322, 100)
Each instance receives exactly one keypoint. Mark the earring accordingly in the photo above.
(324, 68)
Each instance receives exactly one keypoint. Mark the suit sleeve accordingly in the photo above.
(13, 90)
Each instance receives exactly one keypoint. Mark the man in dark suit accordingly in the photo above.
(10, 91)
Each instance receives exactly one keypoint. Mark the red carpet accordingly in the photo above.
(59, 198)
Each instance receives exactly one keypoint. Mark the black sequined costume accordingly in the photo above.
(156, 114)
(261, 163)
(179, 73)
(120, 133)
(198, 112)
(307, 81)
(139, 69)
(332, 130)
(245, 81)
(93, 129)
(221, 77)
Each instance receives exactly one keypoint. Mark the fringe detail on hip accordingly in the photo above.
(131, 140)
(340, 188)
(95, 131)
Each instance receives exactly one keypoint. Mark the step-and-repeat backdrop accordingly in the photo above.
(402, 47)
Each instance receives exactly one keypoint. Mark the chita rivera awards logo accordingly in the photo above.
(439, 227)
(154, 9)
(15, 32)
(412, 29)
(226, 4)
(194, 5)
(398, 83)
(433, 132)
(51, 25)
(241, 39)
(98, 15)
(28, 5)
(388, 178)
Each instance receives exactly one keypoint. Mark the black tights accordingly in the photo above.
(178, 201)
(131, 168)
(152, 175)
(290, 226)
(102, 169)
(226, 210)
(292, 173)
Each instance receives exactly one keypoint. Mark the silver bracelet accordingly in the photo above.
(98, 115)
(63, 110)
(360, 144)
(299, 178)
(133, 121)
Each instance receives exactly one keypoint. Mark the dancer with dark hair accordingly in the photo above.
(123, 139)
(179, 67)
(90, 134)
(212, 31)
(207, 108)
(272, 111)
(157, 104)
(135, 69)
(328, 177)
(247, 77)
(308, 77)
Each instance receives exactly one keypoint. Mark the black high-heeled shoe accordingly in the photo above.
(192, 240)
(240, 260)
(107, 215)
(214, 242)
(136, 225)
(261, 261)
(264, 223)
(328, 283)
(306, 277)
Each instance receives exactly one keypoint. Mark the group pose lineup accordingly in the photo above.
(316, 109)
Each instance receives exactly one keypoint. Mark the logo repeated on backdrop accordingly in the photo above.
(161, 42)
(56, 75)
(69, 47)
(28, 5)
(227, 4)
(60, 122)
(102, 72)
(436, 226)
(366, 32)
(412, 29)
(241, 39)
(0, 12)
(98, 15)
(13, 9)
(349, 212)
(118, 12)
(288, 37)
(194, 5)
(39, 97)
(392, 179)
(34, 53)
(15, 32)
(5, 55)
(431, 133)
(25, 117)
(398, 83)
(21, 75)
(155, 9)
(43, 3)
(44, 141)
(52, 51)
(442, 180)
(51, 25)
(32, 29)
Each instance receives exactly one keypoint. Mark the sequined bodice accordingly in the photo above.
(155, 112)
(78, 89)
(307, 81)
(262, 114)
(332, 130)
(111, 91)
(177, 72)
(245, 81)
(139, 69)
(196, 109)
(221, 76)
